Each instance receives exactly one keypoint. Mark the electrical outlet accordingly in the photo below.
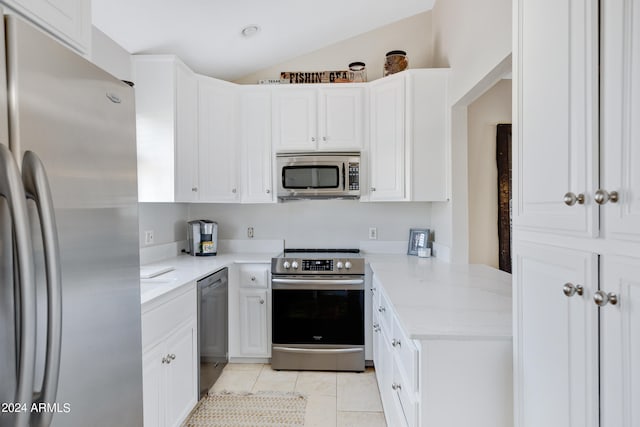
(250, 232)
(148, 237)
(373, 233)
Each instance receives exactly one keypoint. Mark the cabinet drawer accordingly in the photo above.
(407, 355)
(404, 397)
(254, 276)
(158, 322)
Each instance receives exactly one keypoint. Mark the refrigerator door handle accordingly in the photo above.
(36, 185)
(13, 191)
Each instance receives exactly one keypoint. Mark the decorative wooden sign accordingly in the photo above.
(295, 77)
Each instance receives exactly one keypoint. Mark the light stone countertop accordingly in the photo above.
(439, 300)
(433, 299)
(188, 269)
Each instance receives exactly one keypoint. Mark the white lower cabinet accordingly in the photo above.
(439, 381)
(251, 323)
(575, 358)
(169, 360)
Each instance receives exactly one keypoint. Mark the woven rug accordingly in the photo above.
(262, 409)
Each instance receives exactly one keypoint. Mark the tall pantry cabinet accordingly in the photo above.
(576, 213)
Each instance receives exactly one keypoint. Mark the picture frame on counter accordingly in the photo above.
(418, 241)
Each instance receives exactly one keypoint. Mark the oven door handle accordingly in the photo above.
(315, 284)
(318, 350)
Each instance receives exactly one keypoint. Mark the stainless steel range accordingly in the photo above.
(318, 310)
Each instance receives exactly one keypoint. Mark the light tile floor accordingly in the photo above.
(335, 399)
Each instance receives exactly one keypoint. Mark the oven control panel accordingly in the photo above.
(317, 266)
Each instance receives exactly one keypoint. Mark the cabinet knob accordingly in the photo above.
(313, 139)
(233, 191)
(261, 301)
(603, 196)
(253, 278)
(376, 327)
(570, 199)
(324, 138)
(373, 290)
(601, 298)
(373, 188)
(268, 191)
(570, 289)
(395, 343)
(194, 189)
(165, 360)
(381, 309)
(396, 386)
(172, 356)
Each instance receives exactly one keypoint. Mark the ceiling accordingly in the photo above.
(206, 34)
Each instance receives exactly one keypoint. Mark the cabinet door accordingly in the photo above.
(340, 118)
(153, 386)
(217, 142)
(69, 20)
(620, 343)
(556, 127)
(254, 340)
(256, 143)
(387, 141)
(555, 338)
(620, 85)
(186, 135)
(181, 381)
(294, 119)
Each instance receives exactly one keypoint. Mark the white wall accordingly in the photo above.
(168, 221)
(317, 223)
(474, 39)
(483, 115)
(110, 56)
(413, 35)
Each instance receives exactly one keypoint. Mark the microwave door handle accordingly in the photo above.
(13, 191)
(37, 188)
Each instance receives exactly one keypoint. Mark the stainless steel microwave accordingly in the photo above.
(318, 175)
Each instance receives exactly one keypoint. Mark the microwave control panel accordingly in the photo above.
(354, 176)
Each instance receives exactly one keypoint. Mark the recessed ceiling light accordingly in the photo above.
(250, 30)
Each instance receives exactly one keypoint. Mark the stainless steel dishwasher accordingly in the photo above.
(213, 347)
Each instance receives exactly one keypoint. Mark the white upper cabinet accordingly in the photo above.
(166, 133)
(557, 117)
(309, 119)
(620, 127)
(408, 146)
(340, 118)
(217, 141)
(186, 149)
(67, 20)
(294, 119)
(387, 144)
(256, 158)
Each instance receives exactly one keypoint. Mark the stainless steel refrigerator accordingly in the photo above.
(69, 261)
